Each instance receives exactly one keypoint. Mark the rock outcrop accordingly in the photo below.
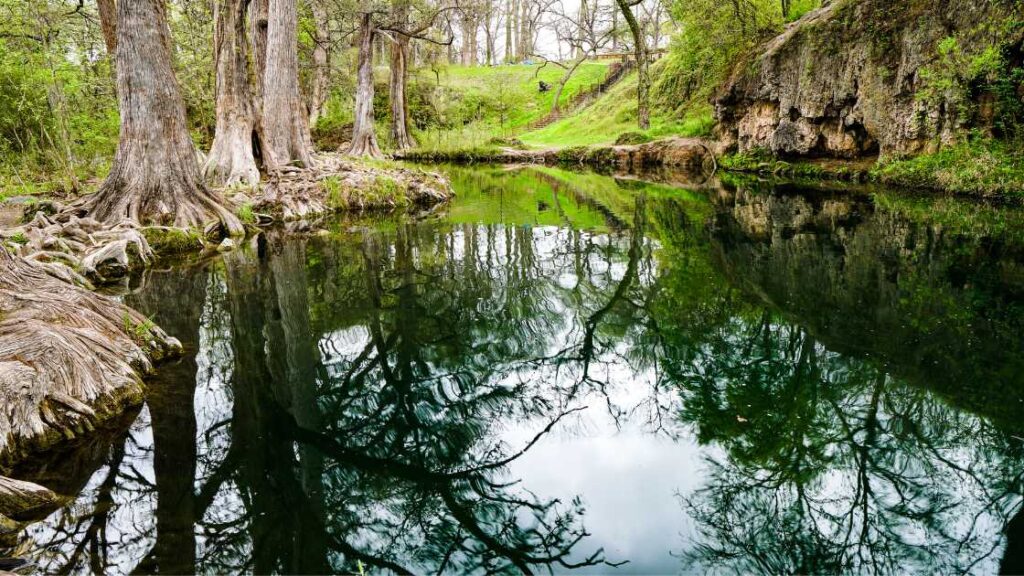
(845, 80)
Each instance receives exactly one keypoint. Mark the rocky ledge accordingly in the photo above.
(846, 80)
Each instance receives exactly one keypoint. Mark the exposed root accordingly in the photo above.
(19, 498)
(80, 250)
(69, 358)
(187, 207)
(338, 183)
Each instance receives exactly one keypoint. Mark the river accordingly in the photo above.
(576, 373)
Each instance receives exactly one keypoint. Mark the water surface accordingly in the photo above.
(575, 373)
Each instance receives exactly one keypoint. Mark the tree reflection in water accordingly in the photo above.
(366, 398)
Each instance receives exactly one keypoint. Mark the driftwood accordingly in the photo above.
(20, 499)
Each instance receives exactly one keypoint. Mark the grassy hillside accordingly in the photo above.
(614, 114)
(471, 106)
(459, 107)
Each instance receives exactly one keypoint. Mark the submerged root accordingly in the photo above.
(68, 358)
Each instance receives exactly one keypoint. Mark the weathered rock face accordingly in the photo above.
(843, 80)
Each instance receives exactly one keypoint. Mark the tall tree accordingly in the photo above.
(231, 159)
(643, 86)
(510, 12)
(400, 135)
(155, 174)
(321, 61)
(401, 32)
(286, 137)
(364, 140)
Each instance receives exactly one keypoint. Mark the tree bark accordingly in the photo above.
(643, 86)
(155, 174)
(231, 160)
(68, 357)
(321, 61)
(400, 136)
(286, 138)
(364, 140)
(258, 23)
(108, 24)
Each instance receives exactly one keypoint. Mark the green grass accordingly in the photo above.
(980, 166)
(615, 114)
(478, 103)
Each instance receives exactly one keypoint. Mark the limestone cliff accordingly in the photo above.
(846, 80)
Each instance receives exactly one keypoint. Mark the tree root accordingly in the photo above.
(69, 358)
(337, 183)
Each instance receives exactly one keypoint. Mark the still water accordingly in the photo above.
(575, 373)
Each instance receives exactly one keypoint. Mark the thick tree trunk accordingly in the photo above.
(286, 138)
(400, 137)
(321, 62)
(155, 175)
(108, 24)
(364, 140)
(231, 159)
(258, 24)
(643, 87)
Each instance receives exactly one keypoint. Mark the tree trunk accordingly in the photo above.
(321, 62)
(524, 50)
(580, 59)
(108, 24)
(468, 38)
(509, 17)
(286, 138)
(231, 159)
(364, 140)
(400, 137)
(155, 175)
(643, 86)
(258, 23)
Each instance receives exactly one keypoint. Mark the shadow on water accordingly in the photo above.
(773, 381)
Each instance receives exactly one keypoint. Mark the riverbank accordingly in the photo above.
(980, 168)
(681, 153)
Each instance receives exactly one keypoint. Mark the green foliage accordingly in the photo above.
(333, 190)
(171, 240)
(979, 166)
(139, 331)
(632, 137)
(962, 75)
(246, 214)
(713, 36)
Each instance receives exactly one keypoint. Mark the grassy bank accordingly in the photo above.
(980, 167)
